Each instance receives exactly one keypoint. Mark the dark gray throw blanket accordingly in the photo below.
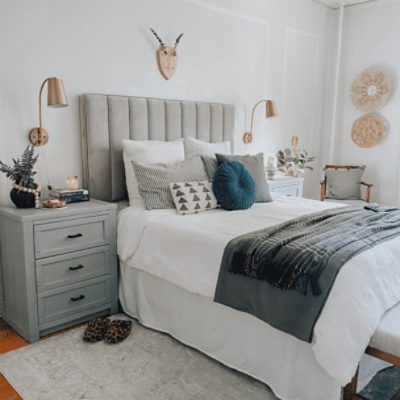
(284, 274)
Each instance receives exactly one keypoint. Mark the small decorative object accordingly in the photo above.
(294, 161)
(72, 182)
(271, 172)
(25, 193)
(53, 203)
(295, 142)
(55, 98)
(270, 111)
(272, 161)
(167, 57)
(271, 167)
(371, 90)
(368, 130)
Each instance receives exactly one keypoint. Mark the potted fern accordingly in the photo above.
(25, 193)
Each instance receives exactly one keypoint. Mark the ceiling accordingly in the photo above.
(348, 3)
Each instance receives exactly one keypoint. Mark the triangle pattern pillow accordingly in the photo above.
(193, 197)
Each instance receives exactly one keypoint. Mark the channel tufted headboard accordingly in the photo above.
(107, 120)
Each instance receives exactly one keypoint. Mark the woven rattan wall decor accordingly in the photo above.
(371, 90)
(368, 130)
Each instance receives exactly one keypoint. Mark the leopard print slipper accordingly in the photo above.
(118, 330)
(96, 330)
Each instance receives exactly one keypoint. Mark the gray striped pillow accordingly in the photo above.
(154, 180)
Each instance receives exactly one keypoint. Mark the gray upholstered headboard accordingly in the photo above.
(107, 120)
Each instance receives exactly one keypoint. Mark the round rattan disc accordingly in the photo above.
(371, 90)
(368, 131)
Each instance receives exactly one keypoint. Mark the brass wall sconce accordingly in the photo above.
(270, 111)
(55, 98)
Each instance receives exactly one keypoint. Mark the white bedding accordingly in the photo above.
(186, 251)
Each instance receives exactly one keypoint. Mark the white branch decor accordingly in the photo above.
(371, 90)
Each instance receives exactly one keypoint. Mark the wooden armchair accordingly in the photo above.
(324, 182)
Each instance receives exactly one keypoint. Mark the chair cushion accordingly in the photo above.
(344, 184)
(387, 336)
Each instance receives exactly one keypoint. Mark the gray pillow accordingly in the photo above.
(154, 180)
(254, 165)
(211, 165)
(344, 184)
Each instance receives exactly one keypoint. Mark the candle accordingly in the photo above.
(72, 182)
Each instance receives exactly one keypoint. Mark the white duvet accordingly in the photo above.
(187, 250)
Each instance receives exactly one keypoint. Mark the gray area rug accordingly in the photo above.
(147, 366)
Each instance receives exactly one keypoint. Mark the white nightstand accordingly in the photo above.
(59, 266)
(287, 186)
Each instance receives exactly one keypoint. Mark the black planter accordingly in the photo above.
(22, 199)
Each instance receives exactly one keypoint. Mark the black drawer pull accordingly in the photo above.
(80, 266)
(77, 235)
(81, 297)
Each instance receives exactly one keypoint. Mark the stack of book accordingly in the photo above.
(70, 196)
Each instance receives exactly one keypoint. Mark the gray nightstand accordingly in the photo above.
(59, 266)
(286, 185)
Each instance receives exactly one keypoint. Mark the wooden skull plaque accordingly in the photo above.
(167, 57)
(167, 61)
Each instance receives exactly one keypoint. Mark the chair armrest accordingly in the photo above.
(322, 190)
(368, 194)
(370, 185)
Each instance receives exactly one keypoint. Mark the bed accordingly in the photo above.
(172, 289)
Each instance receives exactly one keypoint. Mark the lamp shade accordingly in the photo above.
(270, 109)
(56, 96)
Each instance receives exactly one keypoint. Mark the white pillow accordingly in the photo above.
(148, 152)
(198, 147)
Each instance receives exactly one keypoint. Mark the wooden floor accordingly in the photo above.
(9, 340)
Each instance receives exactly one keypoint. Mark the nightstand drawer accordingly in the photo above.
(66, 236)
(58, 305)
(287, 190)
(54, 272)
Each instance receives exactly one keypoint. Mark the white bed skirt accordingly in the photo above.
(236, 339)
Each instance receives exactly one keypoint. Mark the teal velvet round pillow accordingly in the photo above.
(233, 186)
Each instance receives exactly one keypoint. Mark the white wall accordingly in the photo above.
(233, 51)
(371, 35)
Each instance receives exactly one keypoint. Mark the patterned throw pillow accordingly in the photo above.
(154, 180)
(193, 197)
(211, 165)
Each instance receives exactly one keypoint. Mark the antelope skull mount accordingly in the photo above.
(167, 58)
